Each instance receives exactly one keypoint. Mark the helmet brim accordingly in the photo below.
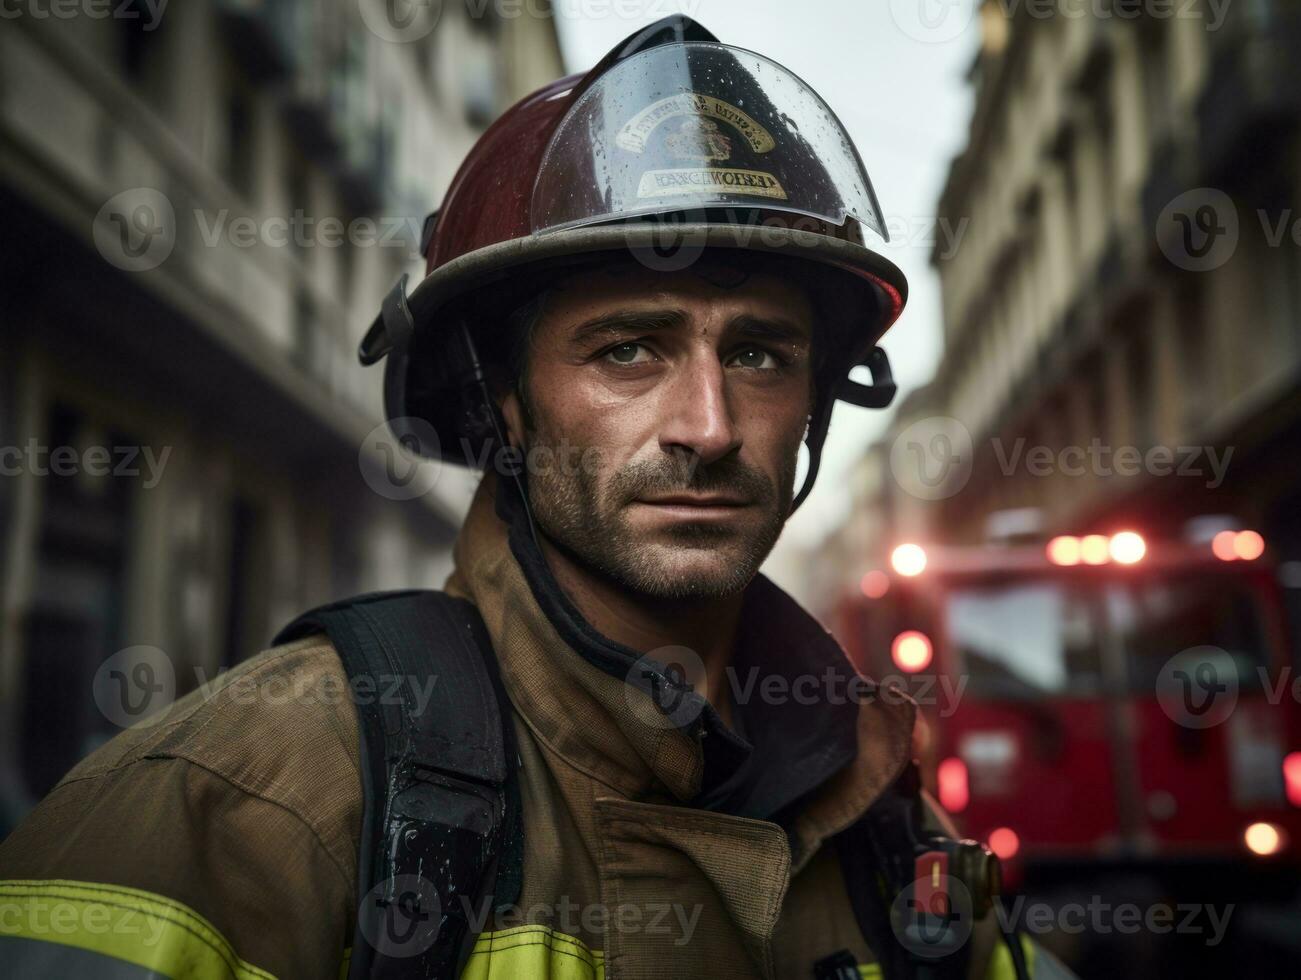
(426, 380)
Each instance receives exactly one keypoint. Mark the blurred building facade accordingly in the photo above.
(202, 210)
(1127, 297)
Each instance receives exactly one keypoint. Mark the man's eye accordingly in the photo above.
(756, 357)
(629, 353)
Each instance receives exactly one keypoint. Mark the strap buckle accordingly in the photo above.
(391, 330)
(880, 392)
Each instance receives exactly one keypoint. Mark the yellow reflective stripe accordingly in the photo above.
(869, 971)
(532, 951)
(135, 926)
(1000, 962)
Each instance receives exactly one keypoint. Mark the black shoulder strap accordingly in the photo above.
(442, 835)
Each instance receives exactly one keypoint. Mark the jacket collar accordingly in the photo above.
(813, 764)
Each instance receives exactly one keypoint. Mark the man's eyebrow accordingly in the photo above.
(769, 328)
(621, 322)
(626, 321)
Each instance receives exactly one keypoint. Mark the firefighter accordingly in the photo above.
(638, 411)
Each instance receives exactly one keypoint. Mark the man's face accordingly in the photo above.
(677, 403)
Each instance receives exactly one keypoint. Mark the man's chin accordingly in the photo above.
(699, 569)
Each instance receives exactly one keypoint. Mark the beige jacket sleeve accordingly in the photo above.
(220, 841)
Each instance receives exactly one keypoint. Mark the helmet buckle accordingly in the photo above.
(391, 330)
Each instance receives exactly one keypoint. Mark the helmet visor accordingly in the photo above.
(684, 127)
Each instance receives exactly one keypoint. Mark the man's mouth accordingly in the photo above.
(696, 506)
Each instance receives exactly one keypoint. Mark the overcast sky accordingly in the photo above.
(897, 82)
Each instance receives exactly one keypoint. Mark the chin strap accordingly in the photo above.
(879, 394)
(493, 411)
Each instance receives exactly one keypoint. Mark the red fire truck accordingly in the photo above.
(1098, 698)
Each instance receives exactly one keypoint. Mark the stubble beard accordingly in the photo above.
(588, 519)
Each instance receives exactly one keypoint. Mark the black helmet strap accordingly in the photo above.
(878, 394)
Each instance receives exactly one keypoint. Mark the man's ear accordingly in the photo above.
(512, 410)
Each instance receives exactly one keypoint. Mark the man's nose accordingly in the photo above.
(698, 417)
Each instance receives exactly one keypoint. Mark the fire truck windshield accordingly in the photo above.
(1026, 639)
(1158, 618)
(1064, 638)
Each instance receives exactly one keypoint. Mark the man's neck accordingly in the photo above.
(707, 627)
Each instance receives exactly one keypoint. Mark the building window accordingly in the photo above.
(298, 192)
(136, 45)
(75, 617)
(239, 140)
(1195, 380)
(1141, 387)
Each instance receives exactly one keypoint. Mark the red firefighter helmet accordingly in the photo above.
(672, 145)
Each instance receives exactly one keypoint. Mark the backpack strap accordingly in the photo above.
(442, 832)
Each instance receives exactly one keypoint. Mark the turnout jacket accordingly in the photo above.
(220, 840)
